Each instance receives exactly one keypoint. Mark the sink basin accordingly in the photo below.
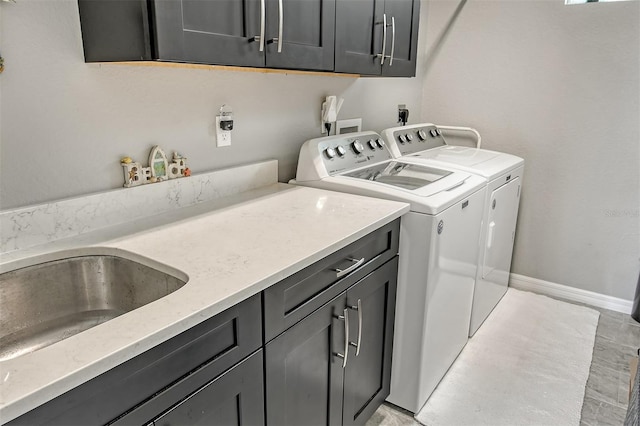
(48, 302)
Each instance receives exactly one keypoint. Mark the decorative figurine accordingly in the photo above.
(158, 162)
(159, 168)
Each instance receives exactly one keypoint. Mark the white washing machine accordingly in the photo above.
(439, 243)
(424, 144)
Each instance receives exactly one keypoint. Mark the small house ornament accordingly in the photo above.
(159, 168)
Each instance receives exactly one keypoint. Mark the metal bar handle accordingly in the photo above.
(342, 272)
(280, 28)
(280, 25)
(464, 129)
(260, 38)
(344, 317)
(393, 39)
(359, 309)
(384, 39)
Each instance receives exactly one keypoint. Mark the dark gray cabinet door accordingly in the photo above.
(303, 374)
(362, 38)
(208, 31)
(235, 398)
(359, 28)
(404, 16)
(368, 375)
(307, 31)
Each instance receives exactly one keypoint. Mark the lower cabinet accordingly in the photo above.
(334, 366)
(303, 374)
(314, 348)
(204, 360)
(367, 379)
(235, 398)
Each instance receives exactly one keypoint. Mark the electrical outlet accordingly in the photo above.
(403, 114)
(223, 137)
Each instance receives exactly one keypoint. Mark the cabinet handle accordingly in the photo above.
(260, 38)
(359, 309)
(384, 39)
(344, 317)
(280, 27)
(393, 39)
(342, 272)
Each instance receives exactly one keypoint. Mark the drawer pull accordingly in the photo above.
(359, 309)
(344, 317)
(342, 272)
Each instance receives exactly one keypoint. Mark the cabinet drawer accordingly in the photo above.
(235, 397)
(220, 341)
(295, 297)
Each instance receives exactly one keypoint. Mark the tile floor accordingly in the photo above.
(607, 392)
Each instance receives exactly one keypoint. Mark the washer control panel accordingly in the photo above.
(350, 151)
(412, 139)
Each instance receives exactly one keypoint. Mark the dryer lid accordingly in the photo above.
(462, 156)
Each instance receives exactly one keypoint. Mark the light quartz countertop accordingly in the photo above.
(228, 249)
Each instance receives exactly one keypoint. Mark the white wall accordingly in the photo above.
(560, 86)
(67, 123)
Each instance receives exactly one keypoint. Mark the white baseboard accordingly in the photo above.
(522, 282)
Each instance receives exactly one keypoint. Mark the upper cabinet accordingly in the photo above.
(291, 34)
(273, 33)
(287, 34)
(377, 37)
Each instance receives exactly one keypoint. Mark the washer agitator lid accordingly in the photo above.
(401, 175)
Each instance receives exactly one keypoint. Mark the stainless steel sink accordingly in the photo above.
(48, 302)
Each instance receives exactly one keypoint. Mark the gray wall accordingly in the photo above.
(555, 84)
(559, 86)
(66, 124)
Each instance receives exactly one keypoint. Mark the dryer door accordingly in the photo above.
(498, 248)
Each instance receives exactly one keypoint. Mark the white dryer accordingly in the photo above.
(424, 144)
(439, 242)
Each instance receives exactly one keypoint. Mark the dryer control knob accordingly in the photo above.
(330, 152)
(422, 134)
(402, 138)
(380, 143)
(433, 133)
(372, 144)
(357, 146)
(341, 151)
(409, 137)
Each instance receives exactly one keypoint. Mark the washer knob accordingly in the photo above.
(433, 133)
(372, 144)
(380, 143)
(341, 151)
(438, 131)
(422, 134)
(357, 146)
(330, 152)
(409, 137)
(402, 138)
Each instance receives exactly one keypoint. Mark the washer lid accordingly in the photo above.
(418, 179)
(459, 155)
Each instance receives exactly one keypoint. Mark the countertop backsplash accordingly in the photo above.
(44, 223)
